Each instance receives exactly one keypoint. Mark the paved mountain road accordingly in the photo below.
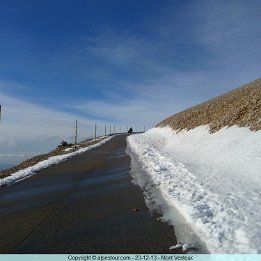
(83, 205)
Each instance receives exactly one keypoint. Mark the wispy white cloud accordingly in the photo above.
(119, 49)
(28, 128)
(220, 42)
(232, 33)
(184, 56)
(191, 53)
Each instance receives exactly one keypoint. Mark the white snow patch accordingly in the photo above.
(183, 247)
(68, 149)
(212, 179)
(25, 173)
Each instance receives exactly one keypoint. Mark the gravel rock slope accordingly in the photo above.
(241, 107)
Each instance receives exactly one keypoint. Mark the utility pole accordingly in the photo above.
(105, 131)
(114, 129)
(75, 141)
(110, 129)
(120, 129)
(95, 130)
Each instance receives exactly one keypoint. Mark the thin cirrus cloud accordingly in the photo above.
(28, 128)
(223, 51)
(187, 54)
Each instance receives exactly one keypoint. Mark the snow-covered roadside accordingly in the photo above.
(213, 180)
(25, 173)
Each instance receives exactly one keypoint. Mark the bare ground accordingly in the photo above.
(241, 107)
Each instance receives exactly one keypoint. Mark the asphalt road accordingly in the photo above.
(83, 205)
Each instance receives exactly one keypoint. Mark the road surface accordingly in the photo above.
(83, 205)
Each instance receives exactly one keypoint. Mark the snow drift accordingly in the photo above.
(213, 180)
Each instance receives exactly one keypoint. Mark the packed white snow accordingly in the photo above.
(213, 180)
(25, 173)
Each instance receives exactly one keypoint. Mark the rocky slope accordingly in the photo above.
(241, 107)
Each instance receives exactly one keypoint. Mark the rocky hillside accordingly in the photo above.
(241, 107)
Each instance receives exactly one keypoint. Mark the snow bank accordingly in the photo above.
(25, 173)
(213, 180)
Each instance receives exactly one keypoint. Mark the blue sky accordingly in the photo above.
(122, 62)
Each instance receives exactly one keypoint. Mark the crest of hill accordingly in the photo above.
(241, 107)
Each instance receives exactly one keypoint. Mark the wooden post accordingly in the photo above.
(105, 131)
(110, 129)
(95, 131)
(75, 141)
